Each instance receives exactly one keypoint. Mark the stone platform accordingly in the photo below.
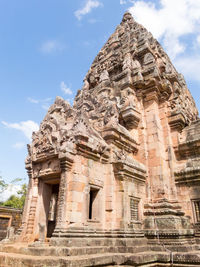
(116, 252)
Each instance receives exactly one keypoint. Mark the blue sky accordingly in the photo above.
(46, 48)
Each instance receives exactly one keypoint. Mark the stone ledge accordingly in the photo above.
(188, 175)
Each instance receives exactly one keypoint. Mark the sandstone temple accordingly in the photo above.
(114, 180)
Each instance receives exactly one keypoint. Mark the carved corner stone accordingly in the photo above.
(131, 117)
(177, 121)
(119, 137)
(130, 170)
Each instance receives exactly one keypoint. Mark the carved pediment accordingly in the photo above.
(46, 141)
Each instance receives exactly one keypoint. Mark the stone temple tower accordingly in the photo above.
(117, 175)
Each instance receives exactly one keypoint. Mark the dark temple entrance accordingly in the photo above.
(51, 223)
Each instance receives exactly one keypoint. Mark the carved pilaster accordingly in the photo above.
(65, 165)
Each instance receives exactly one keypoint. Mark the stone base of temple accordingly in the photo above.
(106, 252)
(75, 247)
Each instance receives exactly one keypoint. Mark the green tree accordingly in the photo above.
(17, 201)
(3, 185)
(14, 201)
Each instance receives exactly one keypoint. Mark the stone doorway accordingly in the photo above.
(48, 191)
(53, 205)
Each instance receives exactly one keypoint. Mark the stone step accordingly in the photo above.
(71, 251)
(173, 248)
(83, 242)
(147, 259)
(19, 260)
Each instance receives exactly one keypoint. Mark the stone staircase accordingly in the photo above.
(118, 254)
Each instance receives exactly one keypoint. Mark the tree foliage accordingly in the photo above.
(3, 185)
(14, 201)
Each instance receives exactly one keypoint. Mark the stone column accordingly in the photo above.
(158, 169)
(65, 165)
(163, 216)
(121, 199)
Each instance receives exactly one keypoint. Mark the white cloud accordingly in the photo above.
(27, 127)
(19, 145)
(66, 90)
(171, 21)
(32, 100)
(51, 46)
(87, 8)
(189, 66)
(92, 21)
(44, 102)
(123, 2)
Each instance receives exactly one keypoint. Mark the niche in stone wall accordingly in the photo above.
(94, 199)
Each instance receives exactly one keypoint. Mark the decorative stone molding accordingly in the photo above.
(91, 149)
(131, 117)
(177, 121)
(130, 170)
(66, 162)
(188, 148)
(119, 137)
(189, 175)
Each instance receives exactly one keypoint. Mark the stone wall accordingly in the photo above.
(9, 217)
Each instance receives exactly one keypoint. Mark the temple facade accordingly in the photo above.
(121, 168)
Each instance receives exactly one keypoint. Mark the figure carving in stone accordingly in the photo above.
(128, 62)
(130, 99)
(137, 70)
(111, 115)
(104, 76)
